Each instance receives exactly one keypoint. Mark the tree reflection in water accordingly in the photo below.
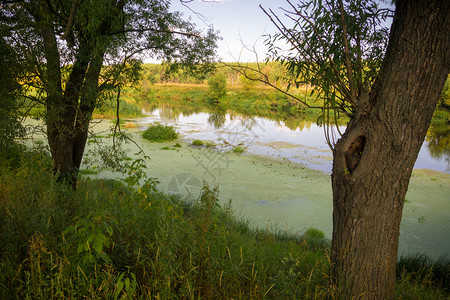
(438, 138)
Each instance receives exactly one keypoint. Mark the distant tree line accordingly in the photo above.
(164, 73)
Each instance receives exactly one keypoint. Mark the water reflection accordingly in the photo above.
(438, 138)
(217, 117)
(172, 112)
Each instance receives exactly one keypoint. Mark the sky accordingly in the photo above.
(241, 24)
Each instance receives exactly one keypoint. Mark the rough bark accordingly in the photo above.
(374, 159)
(67, 136)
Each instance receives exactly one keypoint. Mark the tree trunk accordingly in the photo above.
(374, 158)
(68, 112)
(68, 134)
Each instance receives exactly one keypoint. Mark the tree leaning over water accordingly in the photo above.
(78, 54)
(339, 46)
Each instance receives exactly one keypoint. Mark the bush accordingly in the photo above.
(315, 239)
(197, 143)
(160, 133)
(238, 149)
(217, 87)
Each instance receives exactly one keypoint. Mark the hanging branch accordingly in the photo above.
(266, 81)
(348, 63)
(340, 82)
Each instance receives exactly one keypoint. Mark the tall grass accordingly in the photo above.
(160, 133)
(109, 241)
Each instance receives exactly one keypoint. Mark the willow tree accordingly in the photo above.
(77, 52)
(388, 84)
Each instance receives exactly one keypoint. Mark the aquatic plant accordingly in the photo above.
(197, 143)
(160, 133)
(238, 149)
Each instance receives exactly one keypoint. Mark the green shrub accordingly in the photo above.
(177, 145)
(217, 87)
(160, 133)
(197, 143)
(440, 117)
(238, 149)
(314, 239)
(88, 172)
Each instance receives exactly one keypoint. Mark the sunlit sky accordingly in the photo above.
(241, 24)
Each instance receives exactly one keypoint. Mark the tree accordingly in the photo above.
(217, 87)
(10, 127)
(339, 46)
(77, 53)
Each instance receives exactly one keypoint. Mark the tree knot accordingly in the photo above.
(354, 152)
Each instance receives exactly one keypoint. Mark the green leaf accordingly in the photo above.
(98, 243)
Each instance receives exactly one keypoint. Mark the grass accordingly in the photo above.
(441, 117)
(107, 240)
(197, 143)
(88, 172)
(160, 133)
(238, 149)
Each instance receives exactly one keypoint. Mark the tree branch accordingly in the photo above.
(348, 63)
(188, 34)
(340, 82)
(71, 20)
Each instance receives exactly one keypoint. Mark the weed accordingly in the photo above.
(160, 133)
(88, 172)
(197, 143)
(238, 149)
(130, 125)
